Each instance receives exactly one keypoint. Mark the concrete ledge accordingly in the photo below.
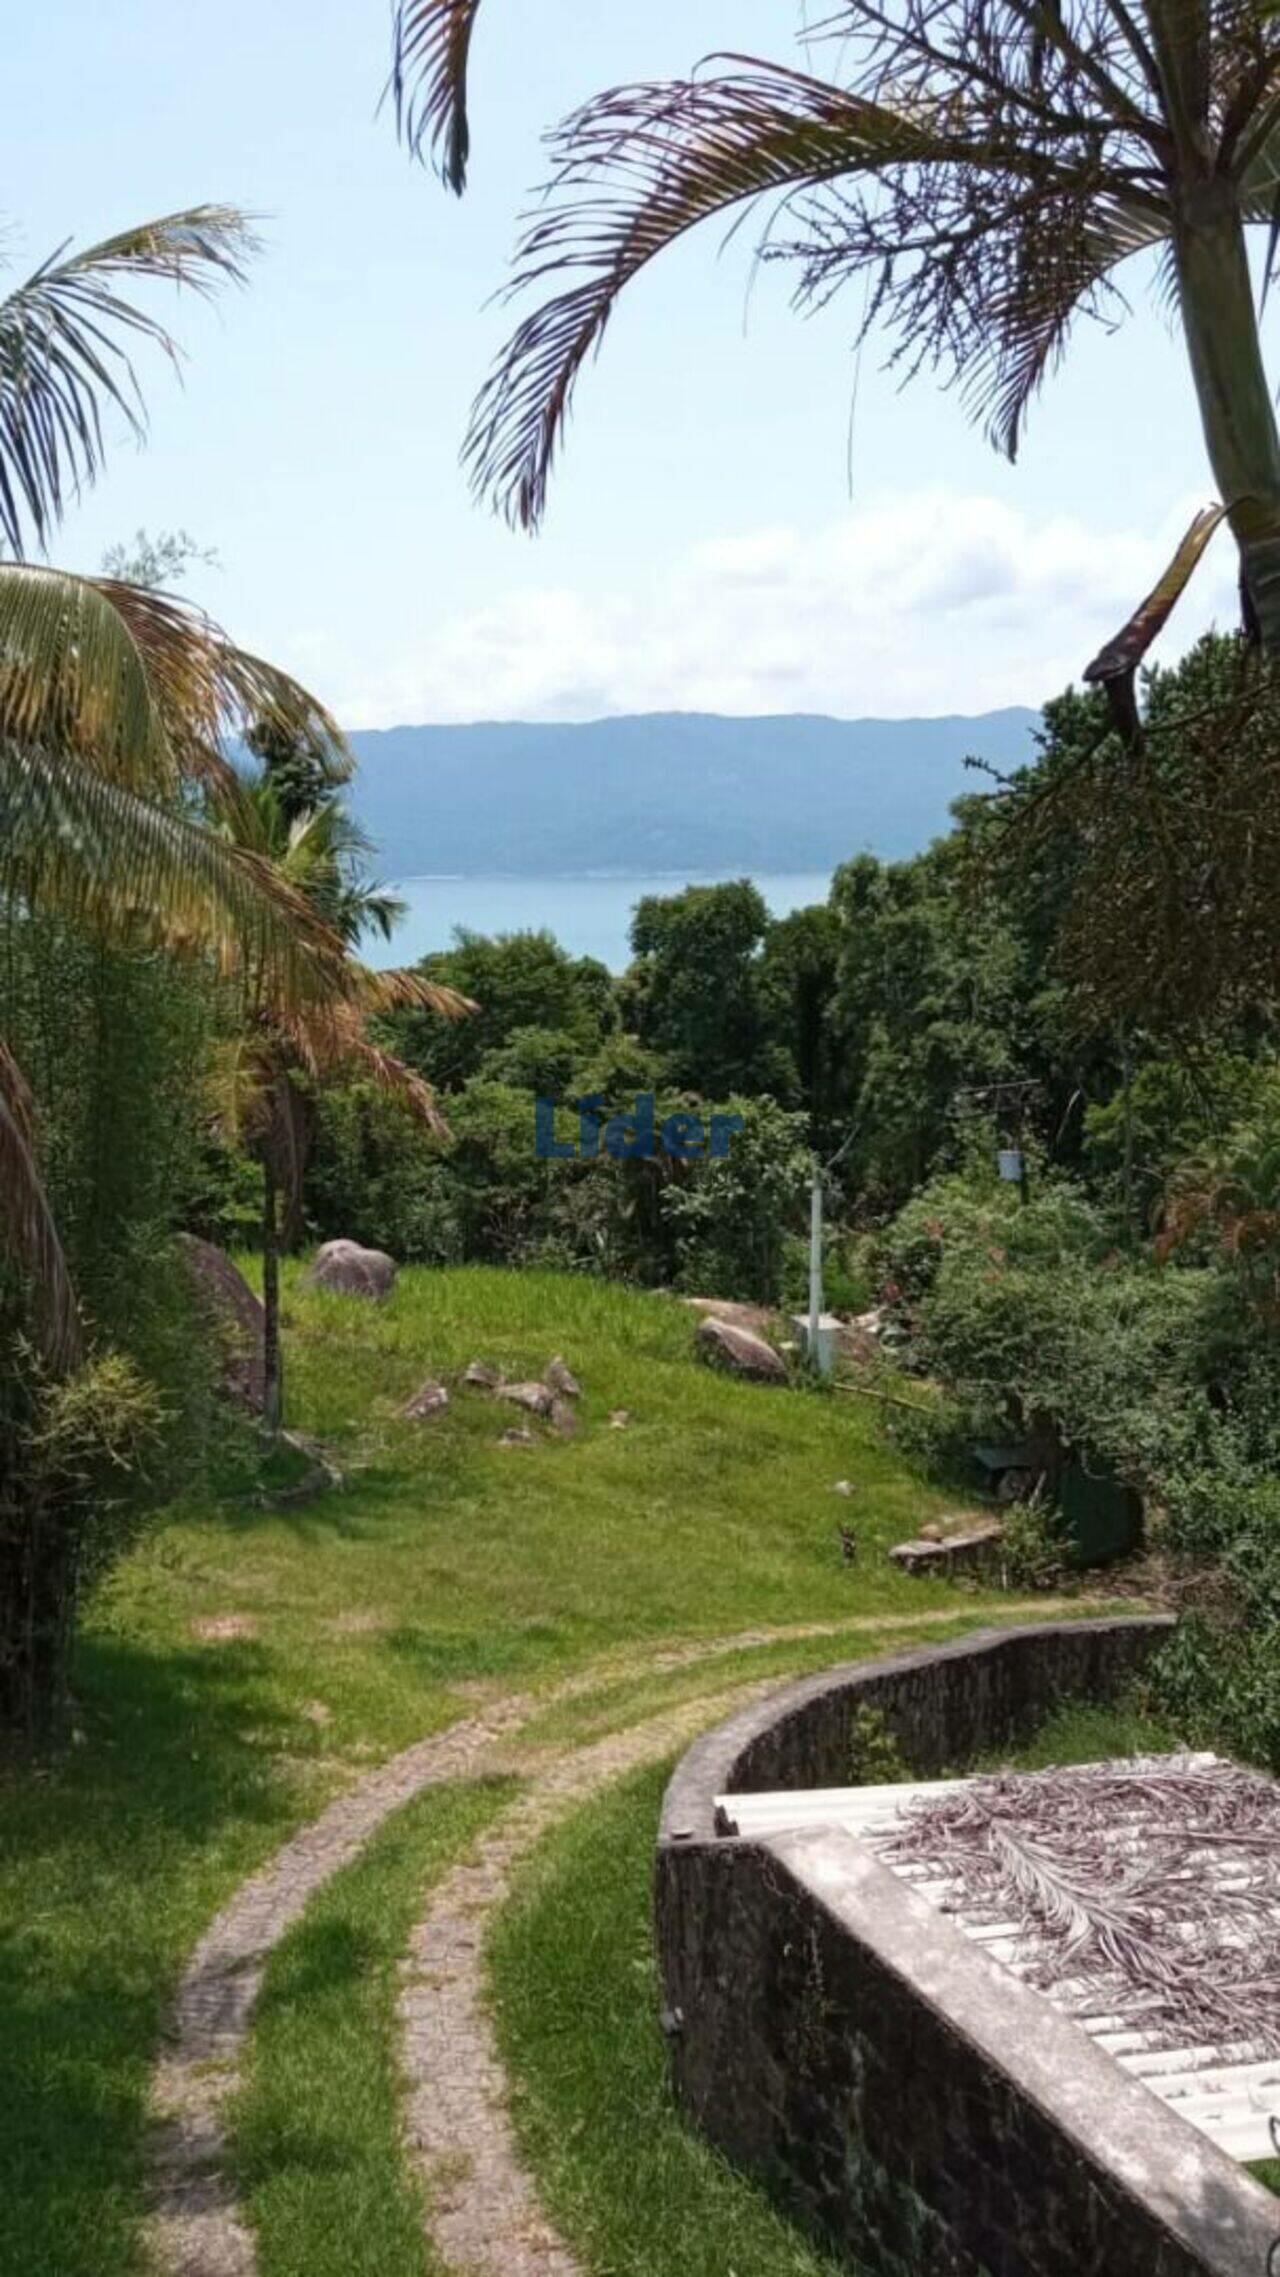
(842, 2040)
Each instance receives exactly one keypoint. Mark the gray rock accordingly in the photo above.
(741, 1351)
(235, 1315)
(563, 1418)
(481, 1376)
(761, 1320)
(538, 1399)
(431, 1400)
(520, 1436)
(350, 1271)
(562, 1379)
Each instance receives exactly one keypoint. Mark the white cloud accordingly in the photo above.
(927, 601)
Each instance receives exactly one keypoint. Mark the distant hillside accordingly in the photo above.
(682, 791)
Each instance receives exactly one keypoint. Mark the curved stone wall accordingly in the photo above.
(838, 2037)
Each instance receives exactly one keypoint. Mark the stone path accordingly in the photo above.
(483, 2212)
(197, 2229)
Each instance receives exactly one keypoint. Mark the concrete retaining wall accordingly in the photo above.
(838, 2037)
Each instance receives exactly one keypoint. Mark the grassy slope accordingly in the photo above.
(449, 1559)
(712, 1513)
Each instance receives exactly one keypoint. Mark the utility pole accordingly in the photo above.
(815, 1263)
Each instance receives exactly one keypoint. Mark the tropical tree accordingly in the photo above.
(985, 166)
(120, 711)
(287, 1049)
(699, 986)
(120, 706)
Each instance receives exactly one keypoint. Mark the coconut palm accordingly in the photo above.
(986, 166)
(119, 707)
(286, 1051)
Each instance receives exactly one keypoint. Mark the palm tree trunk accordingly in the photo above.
(272, 1361)
(1236, 410)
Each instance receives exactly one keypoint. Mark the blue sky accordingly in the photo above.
(712, 541)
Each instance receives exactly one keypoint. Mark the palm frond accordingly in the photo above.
(144, 688)
(642, 165)
(67, 337)
(1148, 1885)
(128, 868)
(328, 1041)
(1040, 278)
(431, 48)
(400, 990)
(27, 1229)
(400, 1082)
(320, 853)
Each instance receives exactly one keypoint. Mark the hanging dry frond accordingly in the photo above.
(1115, 667)
(1172, 846)
(66, 341)
(402, 990)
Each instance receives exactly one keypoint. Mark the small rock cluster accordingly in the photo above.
(549, 1400)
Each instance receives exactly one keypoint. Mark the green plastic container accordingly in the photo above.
(1102, 1516)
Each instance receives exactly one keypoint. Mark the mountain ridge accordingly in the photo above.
(668, 791)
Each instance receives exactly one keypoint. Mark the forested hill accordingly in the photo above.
(684, 791)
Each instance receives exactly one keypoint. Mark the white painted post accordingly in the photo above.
(815, 1266)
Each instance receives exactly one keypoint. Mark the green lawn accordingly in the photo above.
(245, 1663)
(574, 1982)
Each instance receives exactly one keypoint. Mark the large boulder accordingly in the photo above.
(741, 1351)
(759, 1320)
(235, 1315)
(350, 1271)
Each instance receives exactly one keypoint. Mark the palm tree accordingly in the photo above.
(119, 706)
(285, 1051)
(986, 166)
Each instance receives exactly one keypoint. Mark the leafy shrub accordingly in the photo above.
(1218, 1684)
(375, 1178)
(485, 1195)
(1033, 1549)
(76, 1461)
(1032, 1324)
(1218, 1676)
(875, 1758)
(974, 1217)
(541, 1060)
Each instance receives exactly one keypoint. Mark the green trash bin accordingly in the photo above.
(1101, 1515)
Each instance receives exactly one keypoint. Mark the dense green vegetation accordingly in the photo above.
(1055, 977)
